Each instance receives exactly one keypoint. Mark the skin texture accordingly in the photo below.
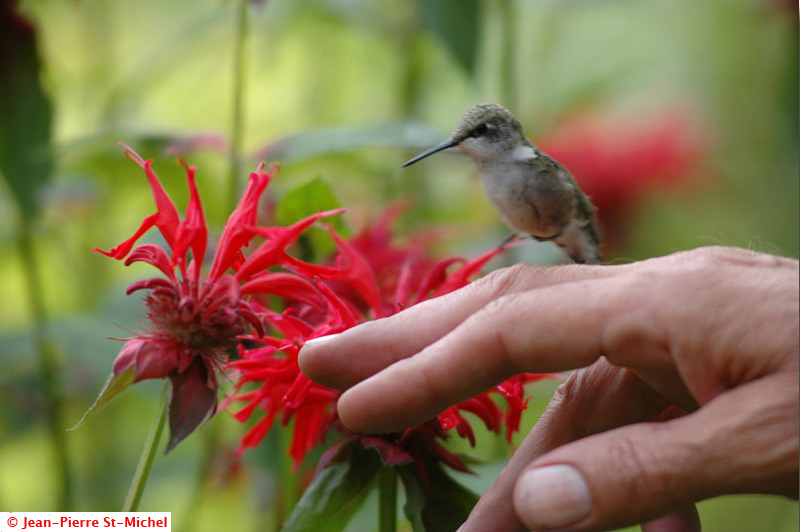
(711, 335)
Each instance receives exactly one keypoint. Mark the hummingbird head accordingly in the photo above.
(485, 132)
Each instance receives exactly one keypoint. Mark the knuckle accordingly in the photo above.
(509, 280)
(714, 256)
(641, 476)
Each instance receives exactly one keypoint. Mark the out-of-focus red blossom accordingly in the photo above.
(370, 278)
(195, 320)
(616, 159)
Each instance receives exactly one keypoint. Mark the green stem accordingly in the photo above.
(508, 57)
(148, 454)
(235, 180)
(287, 474)
(387, 503)
(48, 363)
(210, 439)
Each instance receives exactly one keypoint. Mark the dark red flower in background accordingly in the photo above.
(195, 320)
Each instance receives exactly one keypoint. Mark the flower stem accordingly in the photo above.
(287, 475)
(237, 122)
(48, 363)
(507, 64)
(387, 499)
(148, 453)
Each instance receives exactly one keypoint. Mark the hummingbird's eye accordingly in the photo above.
(481, 129)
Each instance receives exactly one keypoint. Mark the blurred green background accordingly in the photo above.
(679, 119)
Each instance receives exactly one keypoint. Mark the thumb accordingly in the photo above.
(744, 440)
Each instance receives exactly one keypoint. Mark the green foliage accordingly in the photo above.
(305, 200)
(337, 492)
(437, 503)
(115, 385)
(457, 24)
(26, 113)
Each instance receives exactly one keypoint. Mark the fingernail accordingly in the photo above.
(552, 496)
(321, 340)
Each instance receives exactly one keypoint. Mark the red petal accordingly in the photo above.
(167, 218)
(120, 251)
(344, 314)
(155, 360)
(127, 355)
(271, 252)
(287, 286)
(391, 454)
(460, 277)
(435, 278)
(192, 232)
(238, 229)
(358, 272)
(194, 398)
(152, 254)
(150, 284)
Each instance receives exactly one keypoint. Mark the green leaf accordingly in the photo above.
(337, 492)
(438, 503)
(26, 114)
(415, 497)
(307, 199)
(457, 24)
(115, 385)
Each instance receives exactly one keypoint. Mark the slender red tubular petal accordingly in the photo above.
(449, 458)
(435, 278)
(271, 252)
(287, 286)
(168, 219)
(152, 254)
(402, 294)
(358, 273)
(150, 284)
(238, 229)
(288, 325)
(249, 313)
(486, 409)
(192, 232)
(120, 251)
(254, 436)
(343, 313)
(461, 276)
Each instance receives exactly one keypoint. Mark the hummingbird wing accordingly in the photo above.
(583, 213)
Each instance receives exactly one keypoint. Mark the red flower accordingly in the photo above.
(370, 276)
(196, 320)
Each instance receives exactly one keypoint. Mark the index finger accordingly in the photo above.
(354, 355)
(551, 329)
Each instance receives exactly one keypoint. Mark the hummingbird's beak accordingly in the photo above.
(440, 147)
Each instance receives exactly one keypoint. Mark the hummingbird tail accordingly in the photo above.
(581, 244)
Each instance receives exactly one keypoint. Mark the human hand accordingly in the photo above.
(713, 331)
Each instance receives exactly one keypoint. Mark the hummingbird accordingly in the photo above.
(535, 194)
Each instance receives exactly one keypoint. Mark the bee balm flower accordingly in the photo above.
(194, 320)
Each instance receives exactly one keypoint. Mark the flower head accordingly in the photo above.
(195, 320)
(369, 278)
